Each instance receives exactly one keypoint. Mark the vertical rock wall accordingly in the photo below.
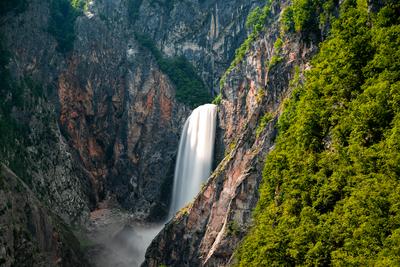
(31, 235)
(206, 32)
(108, 122)
(208, 230)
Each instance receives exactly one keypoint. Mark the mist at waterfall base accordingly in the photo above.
(125, 245)
(122, 245)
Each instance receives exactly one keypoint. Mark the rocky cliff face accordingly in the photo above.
(207, 231)
(53, 171)
(126, 125)
(119, 111)
(30, 234)
(206, 32)
(106, 123)
(112, 115)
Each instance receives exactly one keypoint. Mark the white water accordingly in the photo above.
(116, 241)
(195, 155)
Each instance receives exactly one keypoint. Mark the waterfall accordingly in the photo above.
(195, 155)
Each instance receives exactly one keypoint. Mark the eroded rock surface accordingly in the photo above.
(52, 168)
(206, 32)
(112, 113)
(31, 235)
(108, 123)
(207, 231)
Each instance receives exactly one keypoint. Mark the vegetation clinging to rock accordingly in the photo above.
(255, 22)
(330, 188)
(190, 88)
(63, 14)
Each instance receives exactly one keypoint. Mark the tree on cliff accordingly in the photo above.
(330, 191)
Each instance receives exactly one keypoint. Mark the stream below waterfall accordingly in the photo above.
(114, 238)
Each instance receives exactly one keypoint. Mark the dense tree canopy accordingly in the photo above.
(331, 188)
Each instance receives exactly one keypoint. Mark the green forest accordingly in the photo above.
(330, 193)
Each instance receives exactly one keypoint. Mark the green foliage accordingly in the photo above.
(149, 44)
(190, 88)
(328, 12)
(217, 100)
(252, 18)
(260, 94)
(304, 14)
(242, 50)
(230, 147)
(239, 55)
(307, 16)
(286, 20)
(79, 4)
(185, 210)
(258, 17)
(256, 21)
(276, 58)
(233, 228)
(330, 190)
(295, 82)
(263, 123)
(63, 14)
(278, 45)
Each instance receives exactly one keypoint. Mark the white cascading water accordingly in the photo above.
(195, 155)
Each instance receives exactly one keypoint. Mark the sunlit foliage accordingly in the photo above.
(331, 188)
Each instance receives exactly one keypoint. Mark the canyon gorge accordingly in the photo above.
(111, 153)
